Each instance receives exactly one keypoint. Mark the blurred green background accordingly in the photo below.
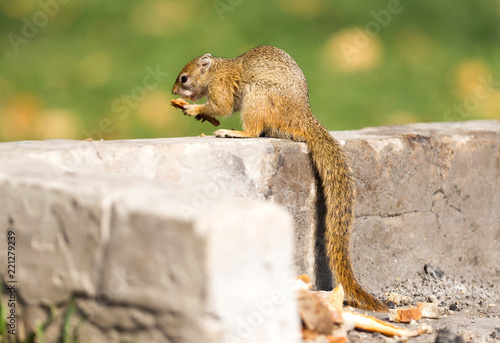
(104, 69)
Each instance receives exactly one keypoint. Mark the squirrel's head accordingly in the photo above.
(192, 81)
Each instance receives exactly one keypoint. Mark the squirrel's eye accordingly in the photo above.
(184, 79)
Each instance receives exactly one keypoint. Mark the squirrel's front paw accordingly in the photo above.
(190, 110)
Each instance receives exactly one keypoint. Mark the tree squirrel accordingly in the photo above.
(270, 90)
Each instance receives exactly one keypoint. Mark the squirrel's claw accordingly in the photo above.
(190, 110)
(200, 117)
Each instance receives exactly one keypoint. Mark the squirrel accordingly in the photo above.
(271, 91)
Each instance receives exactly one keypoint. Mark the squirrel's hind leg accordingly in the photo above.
(252, 128)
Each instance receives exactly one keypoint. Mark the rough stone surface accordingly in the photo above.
(137, 265)
(266, 169)
(426, 193)
(430, 194)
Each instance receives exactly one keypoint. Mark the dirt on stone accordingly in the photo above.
(433, 285)
(474, 307)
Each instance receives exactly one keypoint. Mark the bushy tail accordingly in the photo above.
(338, 188)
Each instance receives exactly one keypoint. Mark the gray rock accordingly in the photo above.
(237, 261)
(103, 221)
(136, 259)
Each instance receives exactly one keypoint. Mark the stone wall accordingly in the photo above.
(151, 239)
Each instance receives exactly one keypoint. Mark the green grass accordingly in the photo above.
(69, 333)
(3, 320)
(422, 47)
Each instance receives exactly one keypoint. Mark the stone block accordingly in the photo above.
(427, 193)
(139, 264)
(88, 215)
(246, 244)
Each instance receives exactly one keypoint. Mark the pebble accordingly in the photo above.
(434, 272)
(447, 336)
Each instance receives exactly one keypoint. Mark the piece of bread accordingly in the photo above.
(180, 103)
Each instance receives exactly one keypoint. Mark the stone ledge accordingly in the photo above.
(421, 189)
(140, 267)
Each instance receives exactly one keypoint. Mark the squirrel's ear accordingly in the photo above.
(205, 62)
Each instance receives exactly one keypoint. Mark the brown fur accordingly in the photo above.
(270, 90)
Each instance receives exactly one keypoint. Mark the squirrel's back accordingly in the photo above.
(268, 65)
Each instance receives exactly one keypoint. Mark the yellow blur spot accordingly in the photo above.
(155, 110)
(19, 117)
(490, 107)
(161, 18)
(25, 118)
(352, 50)
(469, 75)
(308, 9)
(57, 123)
(17, 8)
(400, 118)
